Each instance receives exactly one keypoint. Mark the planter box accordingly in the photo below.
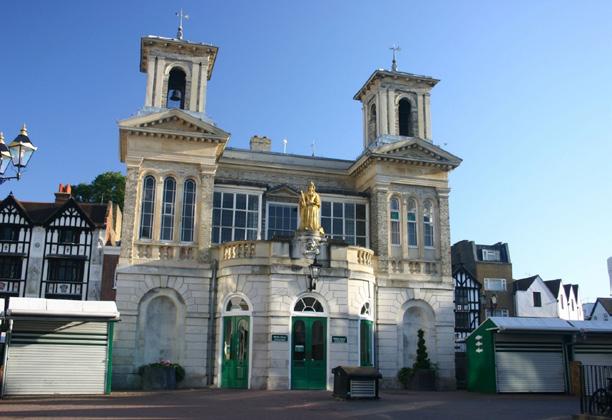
(423, 380)
(158, 377)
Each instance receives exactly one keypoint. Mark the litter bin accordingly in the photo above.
(356, 382)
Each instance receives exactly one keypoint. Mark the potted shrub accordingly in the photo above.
(161, 375)
(422, 375)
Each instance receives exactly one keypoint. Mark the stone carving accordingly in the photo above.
(364, 256)
(310, 207)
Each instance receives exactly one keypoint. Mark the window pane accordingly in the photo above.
(241, 200)
(360, 210)
(326, 209)
(337, 208)
(349, 211)
(217, 199)
(167, 221)
(240, 220)
(228, 200)
(146, 217)
(253, 202)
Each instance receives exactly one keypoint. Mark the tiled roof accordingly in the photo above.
(39, 213)
(523, 284)
(554, 285)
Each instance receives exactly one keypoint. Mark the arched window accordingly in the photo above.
(405, 118)
(394, 216)
(167, 219)
(308, 304)
(147, 208)
(428, 225)
(187, 219)
(236, 304)
(365, 309)
(372, 123)
(412, 223)
(176, 89)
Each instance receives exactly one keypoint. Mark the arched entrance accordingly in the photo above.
(236, 343)
(418, 315)
(366, 347)
(308, 344)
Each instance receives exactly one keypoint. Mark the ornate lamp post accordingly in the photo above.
(315, 269)
(18, 152)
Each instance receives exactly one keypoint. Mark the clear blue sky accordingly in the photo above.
(525, 100)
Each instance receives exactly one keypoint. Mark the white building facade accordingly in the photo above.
(532, 298)
(212, 273)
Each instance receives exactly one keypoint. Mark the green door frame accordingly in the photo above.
(235, 364)
(365, 343)
(309, 348)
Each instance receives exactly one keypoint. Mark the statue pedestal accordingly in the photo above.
(309, 245)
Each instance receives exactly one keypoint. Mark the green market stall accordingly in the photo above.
(58, 346)
(511, 354)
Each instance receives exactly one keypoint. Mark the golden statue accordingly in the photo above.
(310, 205)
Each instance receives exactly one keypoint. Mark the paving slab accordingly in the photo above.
(293, 405)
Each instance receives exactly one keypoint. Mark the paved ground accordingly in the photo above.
(294, 405)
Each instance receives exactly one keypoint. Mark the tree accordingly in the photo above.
(422, 358)
(108, 186)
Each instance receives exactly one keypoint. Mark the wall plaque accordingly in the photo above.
(340, 339)
(280, 337)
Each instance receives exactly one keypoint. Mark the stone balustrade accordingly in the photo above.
(235, 250)
(166, 252)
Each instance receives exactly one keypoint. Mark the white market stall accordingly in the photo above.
(58, 346)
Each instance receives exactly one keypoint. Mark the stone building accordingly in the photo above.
(211, 274)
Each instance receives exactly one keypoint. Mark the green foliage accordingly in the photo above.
(178, 369)
(108, 186)
(404, 375)
(422, 358)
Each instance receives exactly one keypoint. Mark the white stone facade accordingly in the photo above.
(176, 296)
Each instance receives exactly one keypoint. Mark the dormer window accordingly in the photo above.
(177, 82)
(9, 233)
(69, 236)
(405, 118)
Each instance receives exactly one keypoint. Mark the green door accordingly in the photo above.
(235, 363)
(308, 353)
(365, 342)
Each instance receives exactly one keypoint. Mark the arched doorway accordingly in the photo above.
(366, 347)
(236, 343)
(308, 344)
(418, 315)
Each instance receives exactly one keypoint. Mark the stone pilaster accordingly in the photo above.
(379, 230)
(129, 211)
(207, 184)
(444, 220)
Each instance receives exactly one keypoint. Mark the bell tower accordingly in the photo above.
(177, 73)
(395, 106)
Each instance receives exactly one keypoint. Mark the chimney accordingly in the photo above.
(63, 194)
(260, 144)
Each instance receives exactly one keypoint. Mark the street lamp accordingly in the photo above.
(18, 152)
(315, 270)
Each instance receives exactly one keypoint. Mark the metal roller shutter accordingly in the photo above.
(593, 354)
(530, 367)
(54, 357)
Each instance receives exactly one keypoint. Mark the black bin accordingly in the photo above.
(356, 382)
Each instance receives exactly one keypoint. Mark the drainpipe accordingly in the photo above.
(376, 352)
(212, 306)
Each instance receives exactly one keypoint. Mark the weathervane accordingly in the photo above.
(181, 16)
(395, 48)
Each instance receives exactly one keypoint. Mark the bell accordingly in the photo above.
(176, 95)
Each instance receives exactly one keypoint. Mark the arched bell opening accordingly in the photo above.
(177, 82)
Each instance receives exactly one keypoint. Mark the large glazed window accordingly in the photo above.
(345, 221)
(167, 220)
(405, 118)
(394, 217)
(282, 219)
(146, 212)
(235, 216)
(65, 278)
(187, 218)
(412, 223)
(428, 225)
